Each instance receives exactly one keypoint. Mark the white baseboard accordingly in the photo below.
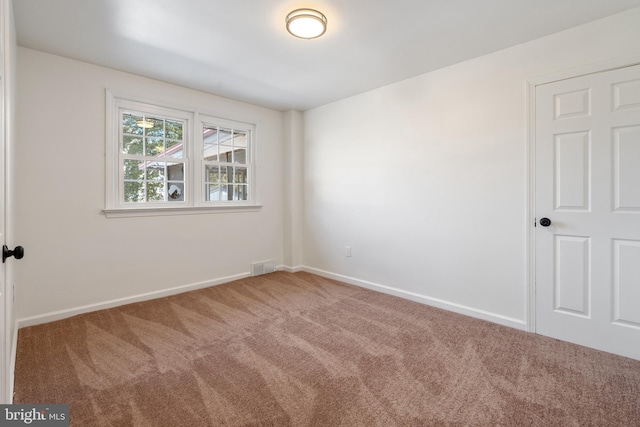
(289, 269)
(435, 302)
(63, 314)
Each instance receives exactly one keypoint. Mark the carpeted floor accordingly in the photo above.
(299, 350)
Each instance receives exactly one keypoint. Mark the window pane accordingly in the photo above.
(212, 174)
(239, 139)
(226, 174)
(240, 175)
(175, 149)
(240, 192)
(132, 145)
(224, 136)
(155, 171)
(157, 129)
(225, 154)
(133, 169)
(134, 191)
(175, 171)
(173, 130)
(154, 146)
(155, 191)
(210, 139)
(240, 156)
(215, 192)
(129, 124)
(175, 191)
(210, 152)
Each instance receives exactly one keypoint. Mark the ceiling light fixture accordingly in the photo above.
(306, 23)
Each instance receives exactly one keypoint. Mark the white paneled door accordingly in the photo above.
(587, 198)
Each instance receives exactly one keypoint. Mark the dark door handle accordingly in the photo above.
(18, 252)
(545, 222)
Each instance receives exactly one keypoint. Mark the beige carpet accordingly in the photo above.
(299, 350)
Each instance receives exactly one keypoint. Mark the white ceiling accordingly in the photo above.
(240, 48)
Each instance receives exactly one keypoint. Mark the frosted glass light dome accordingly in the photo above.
(306, 23)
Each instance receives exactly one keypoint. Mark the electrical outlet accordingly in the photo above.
(347, 250)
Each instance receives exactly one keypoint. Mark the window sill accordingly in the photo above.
(186, 210)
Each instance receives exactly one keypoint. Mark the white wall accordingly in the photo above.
(77, 257)
(426, 179)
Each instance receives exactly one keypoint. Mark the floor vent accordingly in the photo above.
(264, 267)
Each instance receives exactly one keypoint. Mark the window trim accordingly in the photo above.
(194, 201)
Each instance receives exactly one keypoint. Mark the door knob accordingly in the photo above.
(18, 252)
(545, 222)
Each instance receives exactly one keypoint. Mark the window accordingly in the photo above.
(152, 158)
(225, 163)
(161, 159)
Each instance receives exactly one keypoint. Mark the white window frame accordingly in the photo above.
(194, 174)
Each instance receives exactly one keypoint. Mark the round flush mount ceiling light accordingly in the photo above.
(306, 23)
